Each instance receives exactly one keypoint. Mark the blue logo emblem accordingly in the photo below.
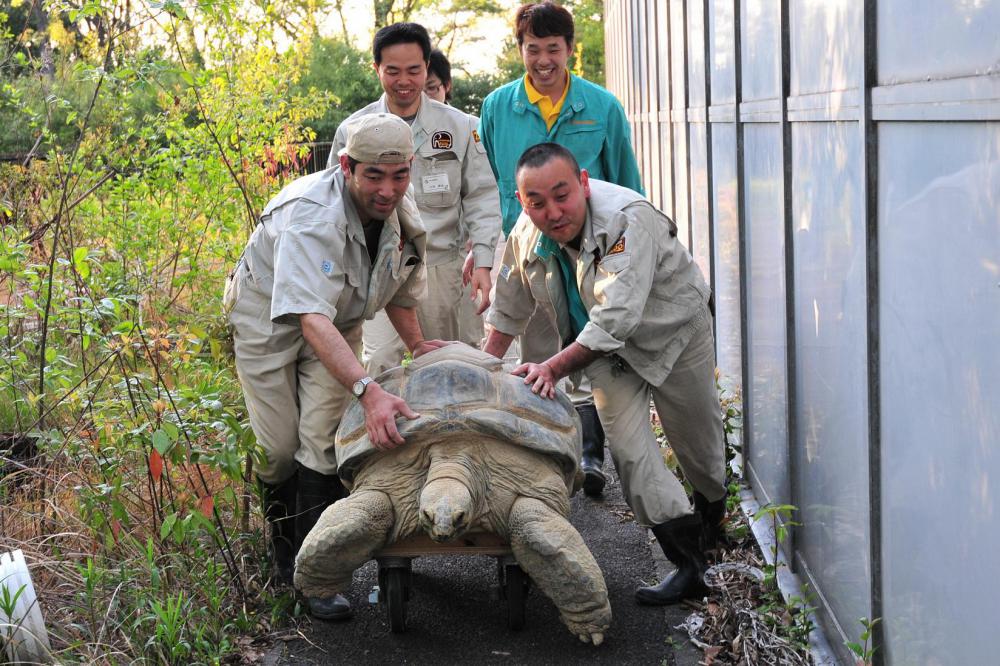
(326, 267)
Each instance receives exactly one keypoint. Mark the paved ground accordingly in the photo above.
(454, 617)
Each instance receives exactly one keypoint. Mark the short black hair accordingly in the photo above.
(401, 33)
(352, 164)
(441, 68)
(543, 19)
(541, 154)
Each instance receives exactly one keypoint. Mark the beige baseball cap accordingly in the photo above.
(379, 138)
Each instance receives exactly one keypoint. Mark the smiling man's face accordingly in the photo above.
(403, 73)
(545, 61)
(376, 189)
(554, 198)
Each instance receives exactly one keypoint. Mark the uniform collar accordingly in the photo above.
(420, 123)
(573, 98)
(534, 95)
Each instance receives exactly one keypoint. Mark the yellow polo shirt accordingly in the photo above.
(544, 103)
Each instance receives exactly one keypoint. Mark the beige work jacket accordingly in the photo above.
(643, 292)
(308, 255)
(452, 180)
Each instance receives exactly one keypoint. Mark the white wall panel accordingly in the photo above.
(682, 205)
(766, 397)
(696, 53)
(727, 253)
(826, 40)
(760, 22)
(831, 371)
(722, 45)
(698, 161)
(939, 271)
(937, 39)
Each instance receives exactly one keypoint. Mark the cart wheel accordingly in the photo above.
(395, 598)
(516, 591)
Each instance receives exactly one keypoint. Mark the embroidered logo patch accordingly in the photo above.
(583, 122)
(441, 140)
(475, 135)
(505, 271)
(618, 247)
(326, 267)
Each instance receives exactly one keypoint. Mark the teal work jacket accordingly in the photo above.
(591, 124)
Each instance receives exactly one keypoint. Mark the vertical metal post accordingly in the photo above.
(791, 385)
(669, 111)
(869, 80)
(709, 176)
(687, 130)
(743, 236)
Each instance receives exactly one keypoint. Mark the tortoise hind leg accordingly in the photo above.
(553, 553)
(347, 535)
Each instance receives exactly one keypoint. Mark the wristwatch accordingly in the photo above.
(360, 386)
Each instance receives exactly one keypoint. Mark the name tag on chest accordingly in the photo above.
(436, 182)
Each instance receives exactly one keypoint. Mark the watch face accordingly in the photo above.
(358, 389)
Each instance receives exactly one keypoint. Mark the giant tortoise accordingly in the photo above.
(486, 455)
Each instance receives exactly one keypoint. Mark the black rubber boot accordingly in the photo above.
(278, 501)
(592, 462)
(315, 493)
(679, 540)
(713, 515)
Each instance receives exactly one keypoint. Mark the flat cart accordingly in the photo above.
(395, 564)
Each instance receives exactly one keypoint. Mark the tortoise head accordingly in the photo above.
(446, 509)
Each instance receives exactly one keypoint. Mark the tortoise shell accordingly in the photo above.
(463, 393)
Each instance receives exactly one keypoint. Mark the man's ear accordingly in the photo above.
(344, 166)
(518, 195)
(585, 181)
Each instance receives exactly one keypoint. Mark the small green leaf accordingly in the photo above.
(161, 442)
(168, 525)
(171, 430)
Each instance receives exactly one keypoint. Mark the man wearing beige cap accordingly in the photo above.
(331, 250)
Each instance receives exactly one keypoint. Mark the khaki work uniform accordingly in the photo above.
(648, 315)
(453, 183)
(308, 255)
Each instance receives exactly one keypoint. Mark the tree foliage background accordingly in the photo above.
(140, 142)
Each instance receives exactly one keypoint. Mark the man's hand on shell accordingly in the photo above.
(539, 376)
(425, 346)
(381, 410)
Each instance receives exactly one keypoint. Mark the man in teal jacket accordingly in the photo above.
(582, 116)
(549, 104)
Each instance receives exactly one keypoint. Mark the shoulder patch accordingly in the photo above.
(618, 247)
(505, 271)
(441, 140)
(326, 267)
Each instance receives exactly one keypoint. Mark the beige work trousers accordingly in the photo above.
(688, 406)
(294, 403)
(437, 313)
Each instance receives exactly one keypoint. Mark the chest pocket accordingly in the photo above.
(351, 304)
(585, 140)
(388, 278)
(438, 181)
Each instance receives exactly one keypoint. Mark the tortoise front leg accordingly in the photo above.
(553, 553)
(347, 535)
